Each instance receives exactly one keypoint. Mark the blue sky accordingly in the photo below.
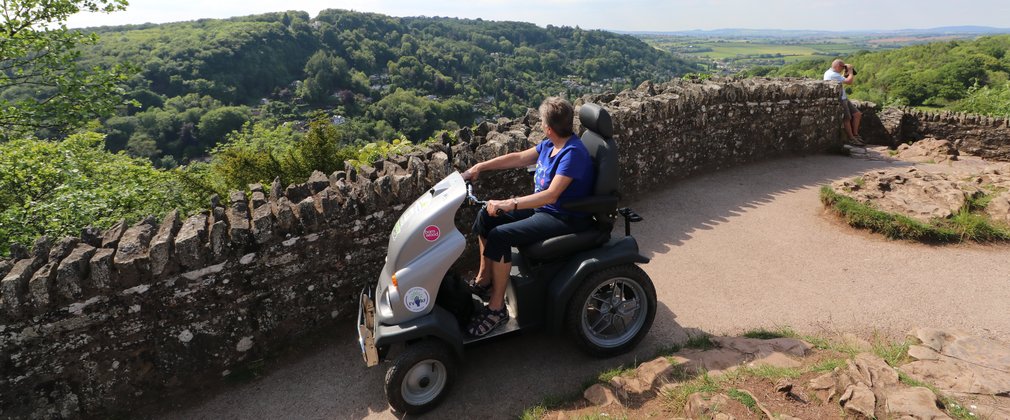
(629, 15)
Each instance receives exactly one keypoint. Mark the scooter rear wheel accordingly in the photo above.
(612, 310)
(420, 377)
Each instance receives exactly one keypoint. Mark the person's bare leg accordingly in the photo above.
(848, 129)
(856, 118)
(499, 280)
(485, 262)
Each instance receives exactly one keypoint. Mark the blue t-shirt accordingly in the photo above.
(573, 161)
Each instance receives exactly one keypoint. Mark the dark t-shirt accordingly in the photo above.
(572, 161)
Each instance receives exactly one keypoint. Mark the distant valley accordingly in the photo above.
(731, 51)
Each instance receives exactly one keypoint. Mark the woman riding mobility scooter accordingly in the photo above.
(586, 282)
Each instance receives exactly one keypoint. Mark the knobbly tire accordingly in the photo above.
(420, 377)
(612, 311)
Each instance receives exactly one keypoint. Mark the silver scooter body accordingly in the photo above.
(423, 245)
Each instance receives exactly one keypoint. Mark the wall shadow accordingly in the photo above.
(673, 213)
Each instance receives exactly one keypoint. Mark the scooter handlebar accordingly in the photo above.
(475, 201)
(470, 197)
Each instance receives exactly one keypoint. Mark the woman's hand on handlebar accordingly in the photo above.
(497, 207)
(472, 173)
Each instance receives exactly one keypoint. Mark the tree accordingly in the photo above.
(325, 74)
(217, 123)
(56, 188)
(38, 62)
(142, 145)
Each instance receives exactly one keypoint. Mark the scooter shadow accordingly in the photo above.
(503, 376)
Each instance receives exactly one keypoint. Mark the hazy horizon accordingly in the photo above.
(629, 15)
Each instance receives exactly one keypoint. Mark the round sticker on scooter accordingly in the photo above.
(431, 233)
(416, 299)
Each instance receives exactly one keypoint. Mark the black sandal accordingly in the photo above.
(486, 321)
(482, 291)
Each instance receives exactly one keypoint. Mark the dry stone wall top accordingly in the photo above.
(986, 137)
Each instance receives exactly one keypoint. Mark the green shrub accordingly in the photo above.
(986, 100)
(58, 188)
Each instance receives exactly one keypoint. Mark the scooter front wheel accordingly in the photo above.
(420, 377)
(612, 310)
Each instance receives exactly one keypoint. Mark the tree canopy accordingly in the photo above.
(375, 75)
(43, 85)
(57, 188)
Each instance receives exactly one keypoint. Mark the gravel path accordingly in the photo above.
(732, 251)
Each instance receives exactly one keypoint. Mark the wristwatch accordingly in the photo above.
(515, 204)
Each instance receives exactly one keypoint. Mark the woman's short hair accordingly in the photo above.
(558, 114)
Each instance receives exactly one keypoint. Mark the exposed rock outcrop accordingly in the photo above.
(925, 195)
(958, 362)
(927, 150)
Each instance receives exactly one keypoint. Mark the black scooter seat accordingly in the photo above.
(565, 245)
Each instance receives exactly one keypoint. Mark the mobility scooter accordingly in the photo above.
(585, 283)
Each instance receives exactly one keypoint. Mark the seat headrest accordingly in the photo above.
(596, 119)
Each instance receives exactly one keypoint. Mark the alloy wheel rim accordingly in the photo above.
(614, 312)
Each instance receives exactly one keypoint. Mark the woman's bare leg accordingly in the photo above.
(485, 262)
(499, 280)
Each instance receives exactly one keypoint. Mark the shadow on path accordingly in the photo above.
(706, 201)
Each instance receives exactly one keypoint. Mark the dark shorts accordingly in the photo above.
(848, 110)
(523, 227)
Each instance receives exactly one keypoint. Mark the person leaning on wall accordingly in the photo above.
(845, 74)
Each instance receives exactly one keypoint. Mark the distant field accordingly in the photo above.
(732, 54)
(736, 49)
(721, 50)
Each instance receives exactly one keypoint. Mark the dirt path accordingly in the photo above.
(745, 248)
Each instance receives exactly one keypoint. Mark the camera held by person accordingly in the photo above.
(848, 68)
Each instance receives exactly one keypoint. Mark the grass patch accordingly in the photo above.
(859, 181)
(549, 402)
(600, 416)
(772, 372)
(894, 353)
(763, 334)
(744, 398)
(979, 202)
(677, 397)
(967, 224)
(976, 227)
(667, 351)
(701, 341)
(607, 375)
(827, 365)
(536, 412)
(893, 226)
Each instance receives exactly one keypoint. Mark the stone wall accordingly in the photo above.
(987, 137)
(97, 325)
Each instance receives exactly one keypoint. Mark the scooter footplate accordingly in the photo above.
(511, 325)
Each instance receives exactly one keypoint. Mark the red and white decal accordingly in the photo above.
(431, 233)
